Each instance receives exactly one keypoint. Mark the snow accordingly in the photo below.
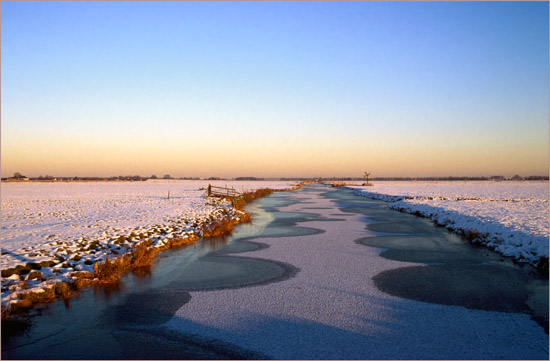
(42, 221)
(332, 309)
(510, 217)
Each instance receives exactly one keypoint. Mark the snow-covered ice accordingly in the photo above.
(510, 217)
(332, 309)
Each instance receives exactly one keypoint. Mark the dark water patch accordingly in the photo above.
(276, 201)
(346, 196)
(367, 211)
(537, 301)
(333, 194)
(483, 287)
(391, 218)
(285, 224)
(362, 204)
(281, 228)
(154, 307)
(226, 272)
(293, 217)
(14, 327)
(241, 246)
(403, 227)
(427, 257)
(433, 243)
(458, 265)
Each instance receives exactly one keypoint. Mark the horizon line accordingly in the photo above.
(253, 178)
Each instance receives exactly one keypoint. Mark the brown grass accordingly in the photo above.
(220, 227)
(111, 270)
(35, 275)
(225, 225)
(84, 279)
(139, 261)
(471, 235)
(248, 197)
(64, 290)
(29, 299)
(143, 255)
(5, 313)
(176, 242)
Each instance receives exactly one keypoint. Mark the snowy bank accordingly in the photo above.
(509, 217)
(53, 231)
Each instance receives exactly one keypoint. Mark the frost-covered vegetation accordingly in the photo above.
(509, 217)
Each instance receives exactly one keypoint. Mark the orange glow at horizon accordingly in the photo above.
(263, 157)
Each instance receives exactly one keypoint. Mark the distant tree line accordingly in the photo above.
(19, 176)
(248, 179)
(448, 178)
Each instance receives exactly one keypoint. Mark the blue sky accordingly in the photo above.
(275, 88)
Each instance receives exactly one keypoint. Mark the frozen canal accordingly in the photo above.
(319, 274)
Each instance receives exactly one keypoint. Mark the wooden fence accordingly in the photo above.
(224, 192)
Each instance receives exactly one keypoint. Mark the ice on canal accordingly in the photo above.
(332, 309)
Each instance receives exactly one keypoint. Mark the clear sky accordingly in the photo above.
(274, 88)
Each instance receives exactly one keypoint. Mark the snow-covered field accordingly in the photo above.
(510, 217)
(76, 223)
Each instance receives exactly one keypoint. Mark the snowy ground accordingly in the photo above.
(76, 223)
(511, 217)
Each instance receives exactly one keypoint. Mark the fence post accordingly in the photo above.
(209, 190)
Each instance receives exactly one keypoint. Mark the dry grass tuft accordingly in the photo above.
(27, 300)
(35, 275)
(83, 279)
(64, 290)
(83, 282)
(5, 313)
(245, 217)
(221, 227)
(111, 270)
(23, 304)
(142, 256)
(83, 274)
(176, 242)
(471, 235)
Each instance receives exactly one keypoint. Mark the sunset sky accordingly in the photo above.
(271, 89)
